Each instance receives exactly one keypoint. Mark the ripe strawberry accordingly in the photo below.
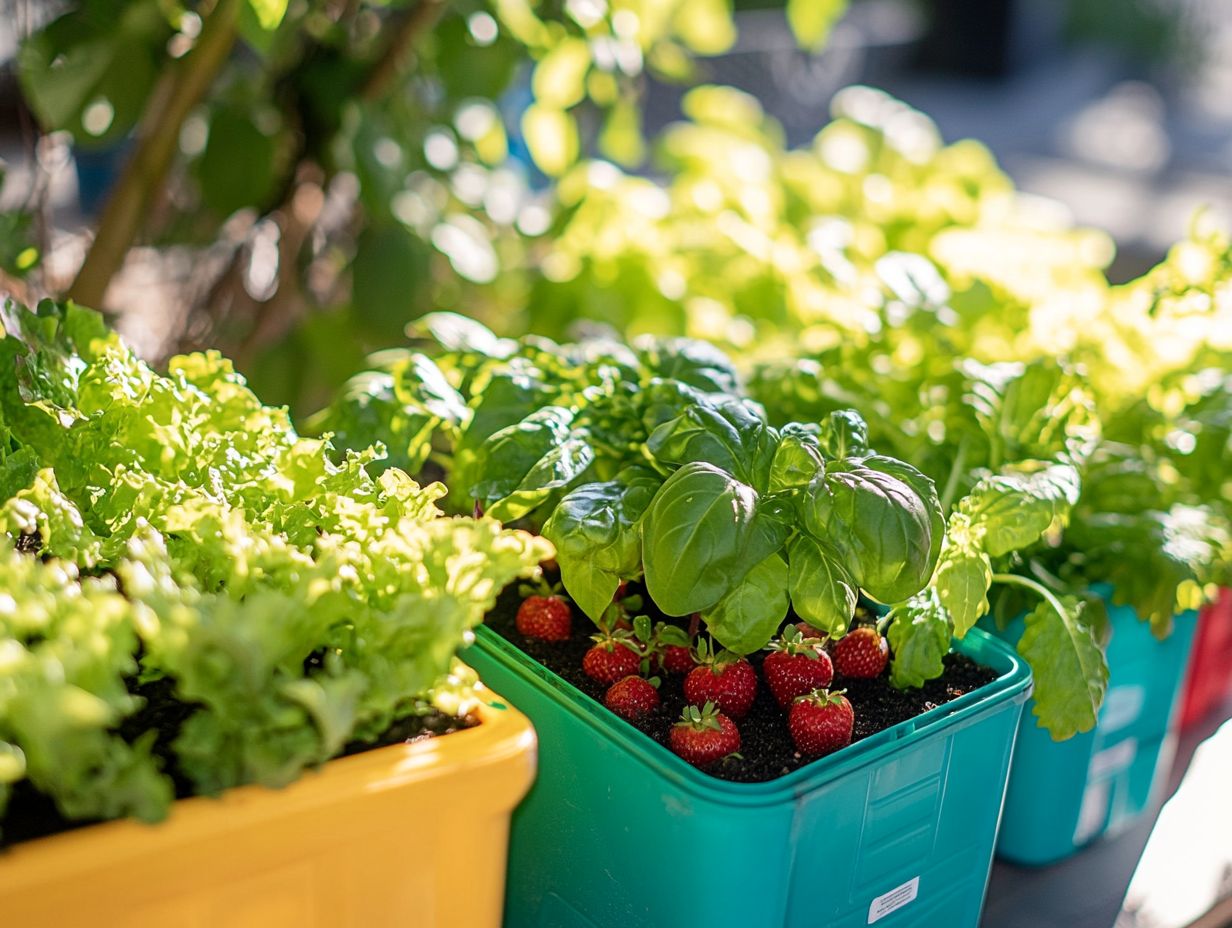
(796, 665)
(861, 653)
(632, 697)
(677, 659)
(821, 722)
(725, 680)
(547, 618)
(705, 735)
(612, 659)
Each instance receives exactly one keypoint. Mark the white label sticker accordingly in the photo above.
(894, 900)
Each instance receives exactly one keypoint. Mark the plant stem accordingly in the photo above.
(394, 57)
(180, 88)
(1033, 585)
(951, 483)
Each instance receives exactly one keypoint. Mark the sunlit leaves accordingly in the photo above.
(552, 137)
(812, 20)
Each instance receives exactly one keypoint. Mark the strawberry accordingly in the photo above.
(821, 722)
(547, 618)
(796, 665)
(677, 659)
(632, 697)
(705, 735)
(724, 679)
(612, 658)
(861, 653)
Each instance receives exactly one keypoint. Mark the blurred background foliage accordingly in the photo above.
(346, 165)
(325, 171)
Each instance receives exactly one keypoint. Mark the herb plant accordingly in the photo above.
(644, 461)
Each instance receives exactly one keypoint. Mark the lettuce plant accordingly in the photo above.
(291, 604)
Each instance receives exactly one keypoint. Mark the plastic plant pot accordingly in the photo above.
(1209, 682)
(407, 835)
(1064, 795)
(618, 832)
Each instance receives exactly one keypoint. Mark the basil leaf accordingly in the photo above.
(696, 537)
(524, 463)
(823, 593)
(595, 529)
(843, 434)
(796, 461)
(747, 617)
(886, 530)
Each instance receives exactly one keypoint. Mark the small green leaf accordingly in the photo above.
(552, 137)
(812, 20)
(822, 591)
(962, 580)
(1071, 671)
(919, 636)
(269, 13)
(560, 77)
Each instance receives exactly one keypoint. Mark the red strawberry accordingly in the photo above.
(727, 681)
(547, 618)
(705, 735)
(611, 659)
(821, 722)
(861, 653)
(677, 659)
(796, 665)
(632, 697)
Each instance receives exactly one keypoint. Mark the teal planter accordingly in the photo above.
(1064, 795)
(618, 832)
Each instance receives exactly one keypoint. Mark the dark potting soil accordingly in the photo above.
(31, 814)
(766, 749)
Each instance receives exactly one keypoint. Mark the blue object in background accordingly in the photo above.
(1064, 795)
(618, 832)
(97, 170)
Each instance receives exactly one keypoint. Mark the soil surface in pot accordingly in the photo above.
(31, 814)
(766, 750)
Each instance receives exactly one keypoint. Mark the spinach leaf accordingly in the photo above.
(964, 574)
(1012, 509)
(524, 463)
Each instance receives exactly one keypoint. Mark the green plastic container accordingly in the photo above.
(1099, 782)
(618, 832)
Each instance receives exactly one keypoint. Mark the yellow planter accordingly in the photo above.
(407, 835)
